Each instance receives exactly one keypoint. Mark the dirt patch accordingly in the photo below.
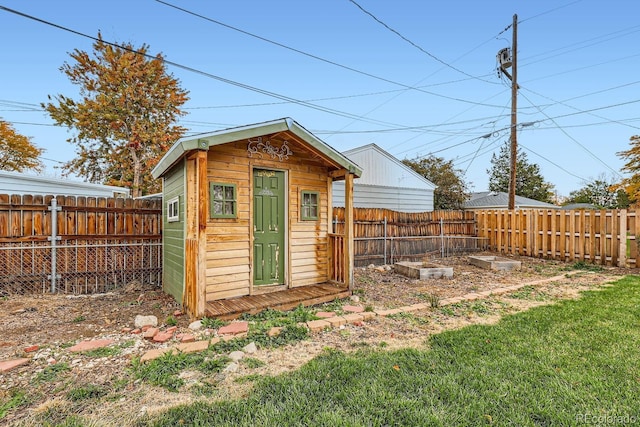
(54, 322)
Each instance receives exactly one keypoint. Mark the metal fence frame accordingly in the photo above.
(54, 268)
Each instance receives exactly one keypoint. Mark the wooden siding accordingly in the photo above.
(228, 249)
(174, 234)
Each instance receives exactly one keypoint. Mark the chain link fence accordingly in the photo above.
(78, 268)
(78, 245)
(388, 250)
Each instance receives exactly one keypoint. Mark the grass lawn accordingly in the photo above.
(575, 362)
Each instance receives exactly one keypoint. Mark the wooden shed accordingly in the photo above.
(247, 220)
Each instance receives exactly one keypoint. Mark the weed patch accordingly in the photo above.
(171, 321)
(15, 400)
(409, 318)
(212, 323)
(163, 371)
(103, 352)
(79, 319)
(89, 391)
(529, 293)
(51, 372)
(584, 266)
(252, 362)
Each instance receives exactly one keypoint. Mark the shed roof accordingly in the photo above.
(383, 169)
(500, 200)
(12, 182)
(184, 145)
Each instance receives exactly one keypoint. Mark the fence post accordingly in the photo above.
(441, 238)
(54, 208)
(622, 230)
(385, 240)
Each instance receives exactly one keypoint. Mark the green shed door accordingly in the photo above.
(268, 227)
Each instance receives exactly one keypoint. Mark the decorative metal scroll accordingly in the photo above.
(259, 147)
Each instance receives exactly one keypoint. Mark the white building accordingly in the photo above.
(20, 183)
(386, 183)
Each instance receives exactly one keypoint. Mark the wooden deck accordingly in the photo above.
(279, 300)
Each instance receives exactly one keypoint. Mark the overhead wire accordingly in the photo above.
(564, 103)
(553, 163)
(573, 70)
(598, 159)
(420, 48)
(529, 124)
(406, 86)
(205, 74)
(565, 49)
(549, 11)
(431, 142)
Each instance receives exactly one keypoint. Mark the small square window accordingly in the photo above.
(173, 210)
(223, 200)
(309, 205)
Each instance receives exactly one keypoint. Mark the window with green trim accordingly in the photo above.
(310, 205)
(223, 200)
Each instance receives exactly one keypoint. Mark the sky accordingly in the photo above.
(415, 77)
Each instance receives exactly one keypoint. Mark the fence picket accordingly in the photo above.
(598, 236)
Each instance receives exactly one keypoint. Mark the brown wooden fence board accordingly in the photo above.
(406, 235)
(607, 237)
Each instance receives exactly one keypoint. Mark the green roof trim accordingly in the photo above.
(204, 141)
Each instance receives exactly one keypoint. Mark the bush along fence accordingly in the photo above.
(605, 237)
(78, 245)
(383, 236)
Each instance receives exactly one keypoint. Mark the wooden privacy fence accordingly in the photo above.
(607, 237)
(386, 236)
(78, 244)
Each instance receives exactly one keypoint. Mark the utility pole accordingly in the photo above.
(505, 62)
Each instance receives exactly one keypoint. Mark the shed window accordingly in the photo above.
(310, 201)
(173, 209)
(223, 200)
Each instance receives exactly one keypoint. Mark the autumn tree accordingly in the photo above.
(632, 165)
(124, 119)
(17, 152)
(602, 192)
(452, 191)
(529, 181)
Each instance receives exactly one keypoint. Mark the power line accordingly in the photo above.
(586, 67)
(414, 44)
(554, 164)
(589, 94)
(332, 98)
(301, 52)
(549, 11)
(528, 124)
(451, 118)
(206, 74)
(596, 40)
(574, 140)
